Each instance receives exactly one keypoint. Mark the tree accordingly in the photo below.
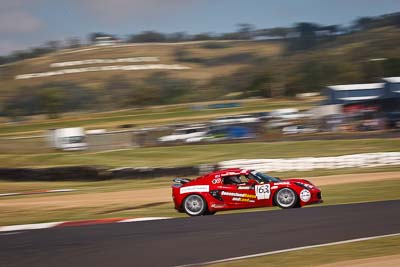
(51, 101)
(73, 42)
(116, 91)
(262, 85)
(147, 37)
(391, 67)
(245, 31)
(178, 37)
(202, 37)
(281, 32)
(53, 45)
(363, 23)
(3, 60)
(307, 37)
(373, 71)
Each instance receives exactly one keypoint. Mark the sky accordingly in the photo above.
(29, 23)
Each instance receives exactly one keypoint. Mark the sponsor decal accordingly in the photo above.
(274, 187)
(217, 206)
(263, 191)
(282, 183)
(232, 194)
(216, 181)
(305, 195)
(194, 188)
(231, 173)
(244, 187)
(243, 199)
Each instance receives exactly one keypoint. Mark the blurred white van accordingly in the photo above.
(68, 139)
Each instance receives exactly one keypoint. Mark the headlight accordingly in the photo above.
(306, 186)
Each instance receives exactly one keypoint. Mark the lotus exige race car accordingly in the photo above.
(240, 189)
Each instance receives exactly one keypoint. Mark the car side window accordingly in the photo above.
(235, 179)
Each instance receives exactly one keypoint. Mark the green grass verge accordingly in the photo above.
(198, 154)
(324, 255)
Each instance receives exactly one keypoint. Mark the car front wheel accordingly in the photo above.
(286, 198)
(194, 205)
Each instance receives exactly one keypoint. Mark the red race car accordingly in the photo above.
(240, 189)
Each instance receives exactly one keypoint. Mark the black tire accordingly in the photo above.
(286, 198)
(209, 212)
(194, 205)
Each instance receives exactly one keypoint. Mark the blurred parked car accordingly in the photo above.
(221, 133)
(393, 119)
(185, 133)
(298, 129)
(235, 119)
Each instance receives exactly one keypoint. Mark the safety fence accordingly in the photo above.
(87, 173)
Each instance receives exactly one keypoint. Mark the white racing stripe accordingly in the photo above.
(287, 250)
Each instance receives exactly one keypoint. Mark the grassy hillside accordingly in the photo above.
(214, 70)
(207, 59)
(214, 62)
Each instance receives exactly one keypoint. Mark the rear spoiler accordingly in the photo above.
(181, 180)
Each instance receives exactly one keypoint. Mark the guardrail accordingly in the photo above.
(310, 163)
(87, 173)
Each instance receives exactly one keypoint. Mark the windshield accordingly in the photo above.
(261, 177)
(73, 139)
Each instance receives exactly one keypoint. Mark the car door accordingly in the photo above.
(241, 195)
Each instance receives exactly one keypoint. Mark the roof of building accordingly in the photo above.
(392, 79)
(357, 98)
(362, 86)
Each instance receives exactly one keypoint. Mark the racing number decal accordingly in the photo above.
(263, 191)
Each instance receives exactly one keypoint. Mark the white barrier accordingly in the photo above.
(311, 163)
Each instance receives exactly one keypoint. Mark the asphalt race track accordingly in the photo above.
(194, 240)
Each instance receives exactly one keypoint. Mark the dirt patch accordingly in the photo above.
(144, 206)
(130, 197)
(387, 261)
(354, 178)
(138, 197)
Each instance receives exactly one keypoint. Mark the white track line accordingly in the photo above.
(28, 226)
(10, 233)
(287, 250)
(36, 226)
(144, 219)
(38, 192)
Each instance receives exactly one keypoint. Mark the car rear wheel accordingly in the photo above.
(194, 205)
(286, 198)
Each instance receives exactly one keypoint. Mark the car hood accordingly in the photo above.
(305, 182)
(292, 180)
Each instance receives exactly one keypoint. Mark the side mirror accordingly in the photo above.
(252, 182)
